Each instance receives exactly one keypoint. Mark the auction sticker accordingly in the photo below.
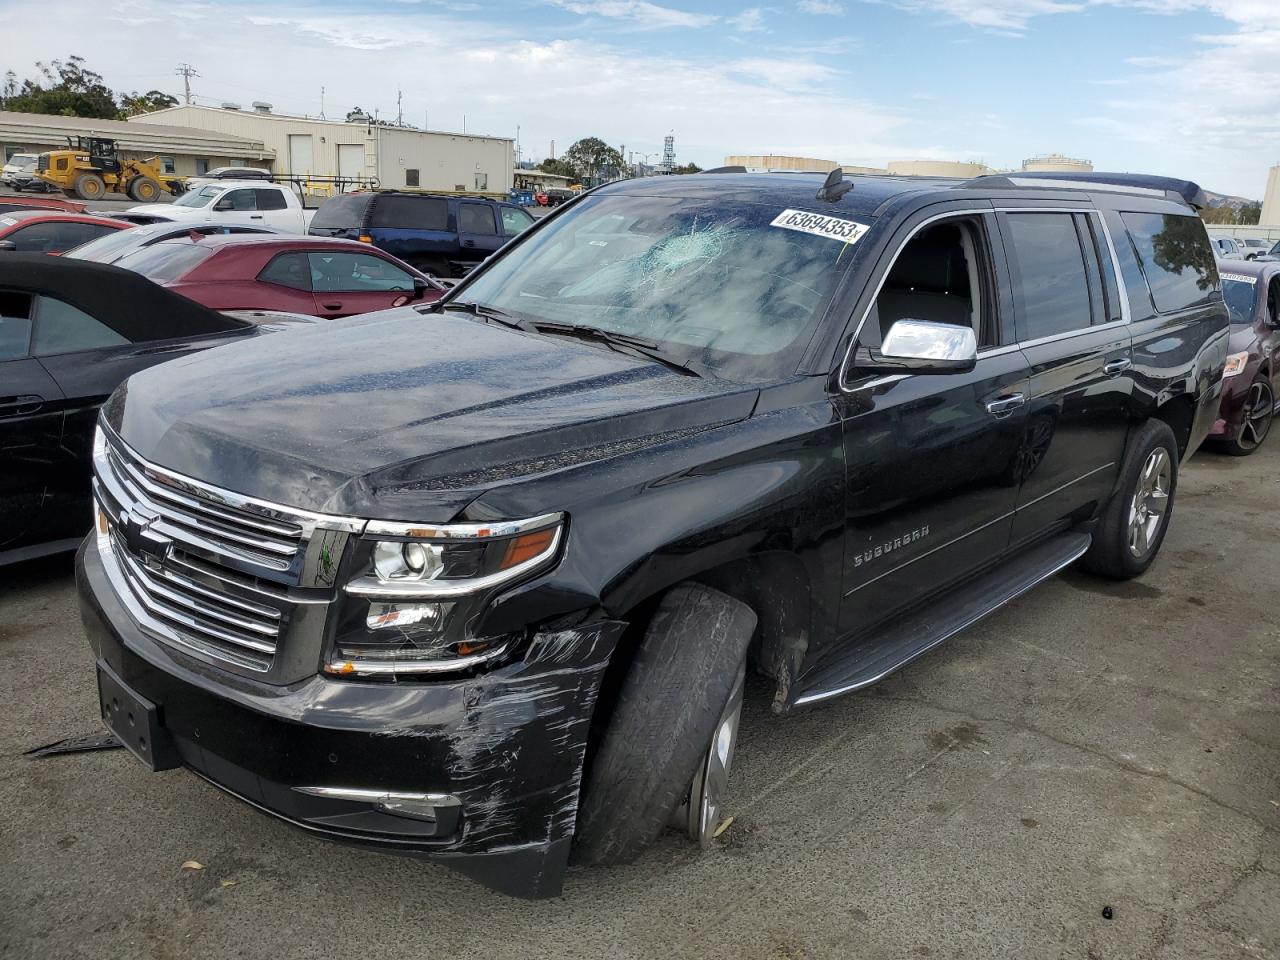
(833, 228)
(1239, 277)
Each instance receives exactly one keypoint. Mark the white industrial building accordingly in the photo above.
(398, 157)
(183, 151)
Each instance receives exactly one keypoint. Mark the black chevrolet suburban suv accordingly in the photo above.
(481, 580)
(444, 236)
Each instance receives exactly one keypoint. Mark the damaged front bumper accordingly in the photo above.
(482, 773)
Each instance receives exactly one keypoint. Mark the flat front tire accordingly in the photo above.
(671, 737)
(1133, 525)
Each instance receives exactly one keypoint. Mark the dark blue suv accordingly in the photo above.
(441, 235)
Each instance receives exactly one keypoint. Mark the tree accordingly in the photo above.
(67, 88)
(558, 167)
(1249, 214)
(687, 168)
(132, 104)
(592, 154)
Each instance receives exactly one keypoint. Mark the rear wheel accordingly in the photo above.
(1255, 424)
(670, 741)
(144, 190)
(1128, 536)
(89, 186)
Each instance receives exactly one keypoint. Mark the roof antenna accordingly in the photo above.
(835, 187)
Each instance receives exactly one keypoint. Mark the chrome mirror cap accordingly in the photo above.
(925, 340)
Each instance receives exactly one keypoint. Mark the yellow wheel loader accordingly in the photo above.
(90, 168)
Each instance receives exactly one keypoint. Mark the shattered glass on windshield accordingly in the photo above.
(714, 282)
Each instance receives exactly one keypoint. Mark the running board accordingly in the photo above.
(875, 657)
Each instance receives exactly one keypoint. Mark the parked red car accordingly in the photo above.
(10, 203)
(50, 231)
(319, 276)
(1252, 292)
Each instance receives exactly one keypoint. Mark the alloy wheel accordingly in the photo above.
(699, 814)
(1259, 409)
(1150, 502)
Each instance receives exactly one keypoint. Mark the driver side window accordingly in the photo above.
(940, 275)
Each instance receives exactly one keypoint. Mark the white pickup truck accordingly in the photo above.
(250, 202)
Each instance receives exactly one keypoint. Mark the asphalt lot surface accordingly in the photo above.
(1093, 744)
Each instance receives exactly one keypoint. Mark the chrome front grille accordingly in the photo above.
(211, 572)
(184, 514)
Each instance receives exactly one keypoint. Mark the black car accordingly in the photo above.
(488, 592)
(70, 333)
(444, 236)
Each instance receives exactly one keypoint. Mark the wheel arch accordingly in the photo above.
(1179, 412)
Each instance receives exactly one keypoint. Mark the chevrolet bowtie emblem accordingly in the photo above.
(141, 540)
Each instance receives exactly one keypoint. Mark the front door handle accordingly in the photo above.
(255, 216)
(332, 306)
(20, 406)
(468, 243)
(1003, 406)
(1117, 367)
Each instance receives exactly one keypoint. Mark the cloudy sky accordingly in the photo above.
(1182, 87)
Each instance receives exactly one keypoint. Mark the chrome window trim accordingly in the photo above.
(1005, 348)
(461, 531)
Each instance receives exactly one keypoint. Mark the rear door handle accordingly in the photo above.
(255, 216)
(1117, 367)
(332, 306)
(20, 406)
(1003, 406)
(468, 243)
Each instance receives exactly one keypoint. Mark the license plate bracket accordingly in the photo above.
(135, 721)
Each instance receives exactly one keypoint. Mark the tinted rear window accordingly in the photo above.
(1176, 258)
(1052, 284)
(165, 261)
(411, 213)
(344, 212)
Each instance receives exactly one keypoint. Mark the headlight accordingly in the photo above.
(414, 608)
(1236, 363)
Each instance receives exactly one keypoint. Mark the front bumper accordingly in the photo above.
(508, 745)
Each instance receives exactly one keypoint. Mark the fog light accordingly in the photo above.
(386, 615)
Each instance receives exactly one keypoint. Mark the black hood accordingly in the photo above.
(399, 415)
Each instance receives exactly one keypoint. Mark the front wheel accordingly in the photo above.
(670, 740)
(1132, 527)
(144, 190)
(1255, 422)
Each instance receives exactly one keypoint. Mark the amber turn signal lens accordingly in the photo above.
(365, 238)
(526, 547)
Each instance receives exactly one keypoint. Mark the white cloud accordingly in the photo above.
(748, 21)
(821, 7)
(639, 12)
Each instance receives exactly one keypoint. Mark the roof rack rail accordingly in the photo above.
(1168, 187)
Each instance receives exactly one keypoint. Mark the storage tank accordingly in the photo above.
(771, 161)
(938, 168)
(1056, 163)
(1271, 201)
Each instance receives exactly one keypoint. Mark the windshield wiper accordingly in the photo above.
(622, 342)
(486, 312)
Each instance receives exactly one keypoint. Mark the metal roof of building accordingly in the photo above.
(53, 129)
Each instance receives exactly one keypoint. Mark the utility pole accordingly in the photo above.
(399, 109)
(186, 71)
(322, 101)
(517, 144)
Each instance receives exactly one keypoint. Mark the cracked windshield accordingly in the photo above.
(713, 283)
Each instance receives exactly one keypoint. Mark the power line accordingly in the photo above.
(186, 71)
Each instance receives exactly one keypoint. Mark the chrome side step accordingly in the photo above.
(875, 657)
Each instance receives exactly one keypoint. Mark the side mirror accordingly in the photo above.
(223, 204)
(8, 246)
(420, 287)
(922, 346)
